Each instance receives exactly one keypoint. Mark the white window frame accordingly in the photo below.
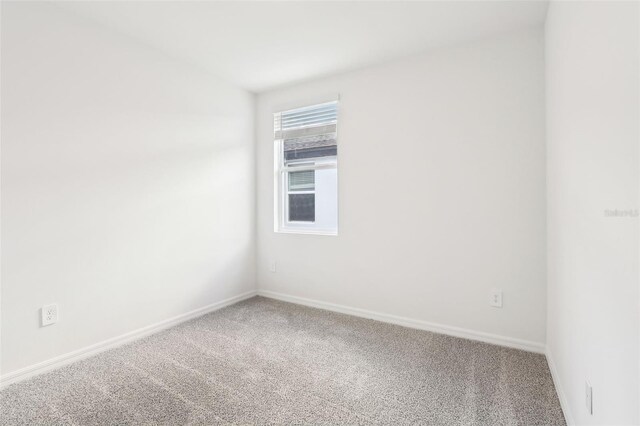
(281, 193)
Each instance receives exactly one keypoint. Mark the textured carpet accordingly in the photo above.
(267, 362)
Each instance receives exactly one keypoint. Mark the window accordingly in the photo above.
(302, 196)
(306, 178)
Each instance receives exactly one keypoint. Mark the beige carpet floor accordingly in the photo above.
(267, 362)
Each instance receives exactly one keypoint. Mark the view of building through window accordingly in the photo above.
(306, 169)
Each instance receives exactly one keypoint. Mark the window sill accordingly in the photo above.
(306, 231)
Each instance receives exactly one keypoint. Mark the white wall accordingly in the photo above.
(441, 190)
(592, 54)
(127, 185)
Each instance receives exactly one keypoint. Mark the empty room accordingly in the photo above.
(319, 212)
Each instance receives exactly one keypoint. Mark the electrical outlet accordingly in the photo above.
(49, 314)
(272, 266)
(495, 299)
(588, 397)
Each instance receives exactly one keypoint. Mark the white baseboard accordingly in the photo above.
(562, 396)
(77, 355)
(68, 358)
(494, 339)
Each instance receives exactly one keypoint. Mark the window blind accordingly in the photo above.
(308, 122)
(302, 181)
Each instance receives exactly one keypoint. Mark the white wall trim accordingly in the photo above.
(562, 396)
(88, 351)
(464, 333)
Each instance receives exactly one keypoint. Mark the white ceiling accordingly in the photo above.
(265, 44)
